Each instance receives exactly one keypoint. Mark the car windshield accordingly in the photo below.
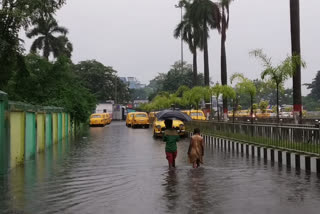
(131, 115)
(196, 114)
(141, 115)
(96, 116)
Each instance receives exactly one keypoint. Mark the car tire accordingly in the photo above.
(147, 126)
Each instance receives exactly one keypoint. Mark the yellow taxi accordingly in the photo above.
(140, 119)
(159, 127)
(98, 120)
(152, 116)
(186, 112)
(108, 118)
(129, 119)
(197, 115)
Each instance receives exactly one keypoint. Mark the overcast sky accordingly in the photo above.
(135, 36)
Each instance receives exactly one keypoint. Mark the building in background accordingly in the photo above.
(137, 103)
(132, 82)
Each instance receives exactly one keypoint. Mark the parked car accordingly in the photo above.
(159, 127)
(197, 115)
(129, 119)
(98, 120)
(140, 119)
(108, 118)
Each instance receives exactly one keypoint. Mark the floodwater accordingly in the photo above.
(116, 169)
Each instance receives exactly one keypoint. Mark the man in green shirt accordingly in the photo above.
(171, 137)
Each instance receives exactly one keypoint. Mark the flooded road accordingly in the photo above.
(116, 169)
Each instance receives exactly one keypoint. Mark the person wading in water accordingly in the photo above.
(171, 137)
(196, 149)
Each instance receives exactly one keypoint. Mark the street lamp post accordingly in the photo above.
(180, 5)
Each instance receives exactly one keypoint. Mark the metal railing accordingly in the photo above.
(301, 139)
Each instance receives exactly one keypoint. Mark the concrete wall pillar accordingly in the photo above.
(67, 124)
(48, 127)
(63, 125)
(59, 127)
(4, 147)
(55, 128)
(30, 136)
(41, 123)
(17, 138)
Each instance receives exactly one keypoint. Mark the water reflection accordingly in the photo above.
(171, 192)
(119, 170)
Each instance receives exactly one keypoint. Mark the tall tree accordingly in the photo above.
(245, 86)
(45, 29)
(206, 15)
(224, 71)
(278, 74)
(295, 49)
(14, 16)
(315, 87)
(191, 34)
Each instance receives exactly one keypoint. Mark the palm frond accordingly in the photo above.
(32, 33)
(37, 44)
(59, 29)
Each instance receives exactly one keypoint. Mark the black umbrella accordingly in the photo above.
(171, 114)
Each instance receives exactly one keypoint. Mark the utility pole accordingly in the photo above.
(116, 92)
(180, 5)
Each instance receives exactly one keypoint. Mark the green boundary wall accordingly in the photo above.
(26, 130)
(31, 140)
(4, 148)
(48, 130)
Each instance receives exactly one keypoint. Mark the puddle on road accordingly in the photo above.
(120, 170)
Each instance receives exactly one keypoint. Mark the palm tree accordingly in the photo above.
(191, 35)
(245, 86)
(278, 74)
(65, 47)
(45, 29)
(224, 26)
(205, 14)
(295, 48)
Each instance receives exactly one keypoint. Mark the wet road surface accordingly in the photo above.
(116, 169)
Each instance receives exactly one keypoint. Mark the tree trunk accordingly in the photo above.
(218, 109)
(234, 109)
(206, 56)
(295, 48)
(224, 77)
(278, 117)
(251, 109)
(195, 68)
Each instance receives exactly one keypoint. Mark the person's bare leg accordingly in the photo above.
(194, 165)
(174, 163)
(198, 163)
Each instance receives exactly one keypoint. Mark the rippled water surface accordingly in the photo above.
(120, 170)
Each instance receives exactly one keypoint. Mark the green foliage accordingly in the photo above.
(205, 15)
(280, 73)
(263, 105)
(244, 85)
(15, 15)
(255, 107)
(102, 81)
(172, 80)
(315, 87)
(310, 103)
(182, 89)
(52, 84)
(45, 29)
(277, 74)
